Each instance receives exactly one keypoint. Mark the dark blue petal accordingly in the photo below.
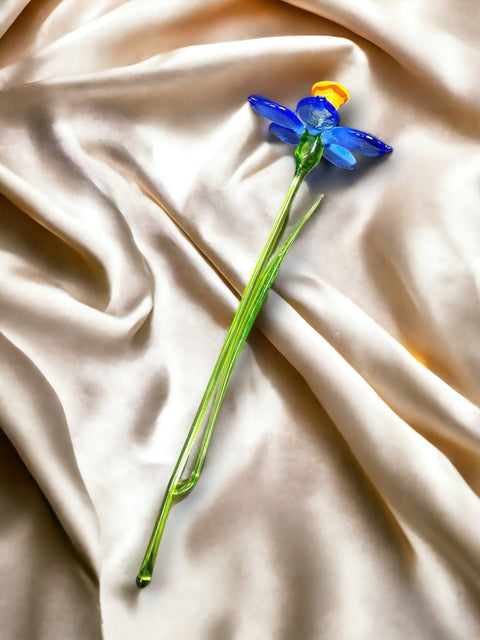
(356, 141)
(339, 156)
(285, 135)
(275, 112)
(317, 113)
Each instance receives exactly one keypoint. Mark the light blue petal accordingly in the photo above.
(285, 135)
(275, 112)
(339, 156)
(357, 141)
(317, 113)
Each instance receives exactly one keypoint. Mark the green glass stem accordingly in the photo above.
(253, 308)
(230, 344)
(249, 307)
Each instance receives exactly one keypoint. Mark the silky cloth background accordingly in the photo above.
(340, 495)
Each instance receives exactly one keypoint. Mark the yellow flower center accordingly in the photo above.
(334, 92)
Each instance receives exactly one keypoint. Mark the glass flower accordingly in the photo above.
(318, 115)
(313, 128)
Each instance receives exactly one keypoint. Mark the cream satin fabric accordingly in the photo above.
(340, 496)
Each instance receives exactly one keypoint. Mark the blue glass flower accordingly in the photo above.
(318, 115)
(313, 128)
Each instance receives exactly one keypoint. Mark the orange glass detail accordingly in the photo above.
(334, 92)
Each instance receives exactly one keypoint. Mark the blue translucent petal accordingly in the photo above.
(275, 112)
(317, 113)
(356, 141)
(285, 135)
(339, 156)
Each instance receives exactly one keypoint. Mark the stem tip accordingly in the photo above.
(142, 582)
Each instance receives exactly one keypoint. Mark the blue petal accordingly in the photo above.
(317, 113)
(339, 156)
(357, 141)
(285, 135)
(275, 112)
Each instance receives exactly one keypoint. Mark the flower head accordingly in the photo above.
(318, 115)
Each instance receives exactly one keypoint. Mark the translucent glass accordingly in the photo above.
(318, 136)
(275, 112)
(317, 113)
(285, 135)
(357, 141)
(339, 156)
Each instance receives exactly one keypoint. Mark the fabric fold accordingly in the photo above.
(33, 419)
